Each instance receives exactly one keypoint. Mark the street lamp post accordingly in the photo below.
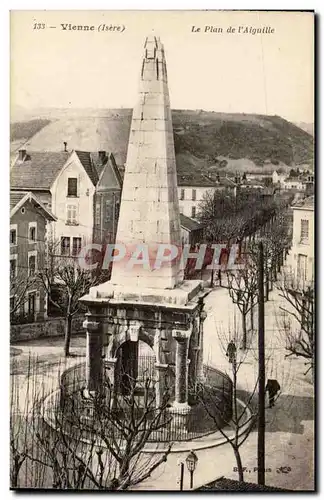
(191, 462)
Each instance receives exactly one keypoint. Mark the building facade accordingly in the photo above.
(107, 199)
(192, 190)
(29, 222)
(81, 188)
(302, 254)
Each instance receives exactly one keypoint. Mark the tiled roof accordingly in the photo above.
(30, 197)
(39, 170)
(195, 180)
(305, 203)
(189, 223)
(85, 159)
(112, 173)
(224, 484)
(226, 181)
(15, 198)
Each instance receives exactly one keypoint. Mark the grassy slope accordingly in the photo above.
(201, 137)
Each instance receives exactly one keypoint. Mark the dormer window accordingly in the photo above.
(72, 186)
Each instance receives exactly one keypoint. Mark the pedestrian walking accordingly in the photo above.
(231, 351)
(272, 388)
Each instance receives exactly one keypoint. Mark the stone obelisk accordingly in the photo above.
(141, 302)
(149, 211)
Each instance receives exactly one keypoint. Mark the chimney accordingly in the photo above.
(102, 156)
(22, 154)
(65, 147)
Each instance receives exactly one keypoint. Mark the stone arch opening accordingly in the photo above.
(135, 363)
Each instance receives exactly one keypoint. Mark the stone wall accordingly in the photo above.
(52, 327)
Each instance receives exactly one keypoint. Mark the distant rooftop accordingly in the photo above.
(224, 484)
(307, 203)
(189, 223)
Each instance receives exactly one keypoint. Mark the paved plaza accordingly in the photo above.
(289, 425)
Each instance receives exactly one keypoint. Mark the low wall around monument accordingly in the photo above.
(198, 422)
(53, 327)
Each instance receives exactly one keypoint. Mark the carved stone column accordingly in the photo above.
(110, 365)
(200, 356)
(160, 387)
(181, 368)
(94, 365)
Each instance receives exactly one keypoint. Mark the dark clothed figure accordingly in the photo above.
(231, 351)
(272, 388)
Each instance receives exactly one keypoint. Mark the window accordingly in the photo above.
(182, 194)
(65, 245)
(71, 217)
(181, 209)
(32, 232)
(302, 267)
(193, 212)
(304, 230)
(13, 268)
(12, 303)
(13, 237)
(31, 303)
(97, 216)
(108, 211)
(117, 206)
(193, 195)
(31, 265)
(76, 246)
(72, 186)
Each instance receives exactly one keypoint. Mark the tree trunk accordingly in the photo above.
(239, 463)
(68, 331)
(270, 280)
(266, 287)
(252, 316)
(212, 279)
(244, 339)
(274, 271)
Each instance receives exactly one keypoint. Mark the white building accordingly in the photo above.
(296, 184)
(65, 182)
(73, 193)
(302, 253)
(192, 191)
(278, 178)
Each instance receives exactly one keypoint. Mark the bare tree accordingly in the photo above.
(64, 276)
(242, 286)
(234, 426)
(19, 286)
(298, 324)
(77, 442)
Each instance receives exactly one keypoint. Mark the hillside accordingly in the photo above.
(206, 139)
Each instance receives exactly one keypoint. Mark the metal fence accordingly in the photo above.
(211, 407)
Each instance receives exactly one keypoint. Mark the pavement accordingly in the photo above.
(289, 425)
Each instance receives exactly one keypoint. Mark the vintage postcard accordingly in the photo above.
(162, 286)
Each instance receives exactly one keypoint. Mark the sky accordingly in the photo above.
(270, 73)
